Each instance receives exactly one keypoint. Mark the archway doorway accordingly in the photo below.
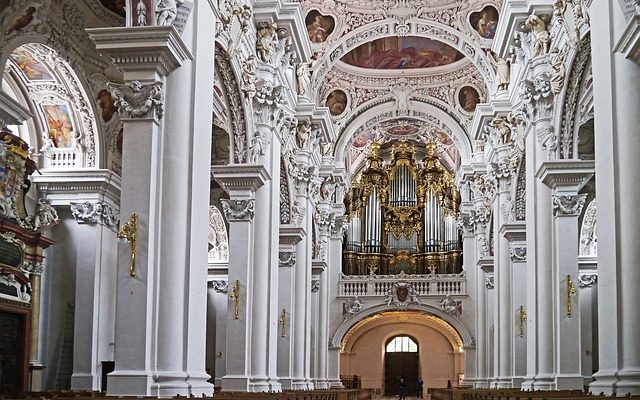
(401, 361)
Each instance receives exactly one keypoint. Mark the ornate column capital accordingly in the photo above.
(518, 253)
(220, 286)
(88, 212)
(587, 280)
(489, 282)
(568, 205)
(287, 258)
(315, 285)
(136, 100)
(238, 210)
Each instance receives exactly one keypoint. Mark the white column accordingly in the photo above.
(515, 233)
(503, 328)
(540, 341)
(289, 237)
(160, 334)
(566, 178)
(474, 274)
(617, 163)
(334, 311)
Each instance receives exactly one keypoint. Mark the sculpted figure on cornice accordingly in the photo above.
(569, 204)
(303, 74)
(228, 10)
(259, 142)
(238, 210)
(248, 84)
(540, 39)
(501, 132)
(267, 42)
(503, 70)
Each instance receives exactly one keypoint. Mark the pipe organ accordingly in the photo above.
(402, 216)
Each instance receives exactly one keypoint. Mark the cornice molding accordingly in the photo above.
(62, 188)
(141, 48)
(629, 42)
(240, 177)
(566, 174)
(12, 112)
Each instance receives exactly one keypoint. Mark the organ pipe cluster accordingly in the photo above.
(402, 215)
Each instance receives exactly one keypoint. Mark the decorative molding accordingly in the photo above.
(351, 307)
(220, 286)
(89, 212)
(238, 210)
(401, 295)
(518, 253)
(489, 283)
(287, 258)
(451, 306)
(315, 285)
(587, 280)
(138, 101)
(568, 205)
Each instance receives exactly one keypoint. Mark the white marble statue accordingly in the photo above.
(540, 36)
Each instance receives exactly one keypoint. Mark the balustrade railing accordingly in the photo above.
(424, 285)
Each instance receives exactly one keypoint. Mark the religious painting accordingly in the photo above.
(107, 105)
(403, 130)
(402, 53)
(60, 126)
(30, 67)
(363, 139)
(485, 22)
(117, 6)
(7, 182)
(337, 102)
(443, 138)
(319, 26)
(468, 97)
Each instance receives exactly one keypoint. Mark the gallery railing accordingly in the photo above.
(373, 285)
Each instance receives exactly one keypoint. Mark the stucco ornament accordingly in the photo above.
(451, 306)
(401, 295)
(267, 42)
(351, 307)
(135, 100)
(238, 210)
(45, 216)
(540, 36)
(88, 212)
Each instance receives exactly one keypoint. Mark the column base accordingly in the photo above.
(259, 384)
(285, 383)
(322, 384)
(310, 384)
(481, 383)
(35, 376)
(129, 383)
(544, 382)
(527, 383)
(502, 382)
(299, 384)
(275, 386)
(628, 382)
(567, 382)
(82, 381)
(605, 382)
(235, 383)
(335, 384)
(517, 381)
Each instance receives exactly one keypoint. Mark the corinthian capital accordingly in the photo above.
(570, 205)
(95, 212)
(537, 98)
(238, 210)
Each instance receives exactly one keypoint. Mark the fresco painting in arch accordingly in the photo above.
(468, 97)
(403, 130)
(364, 138)
(485, 22)
(117, 6)
(443, 138)
(337, 102)
(30, 67)
(319, 26)
(402, 53)
(60, 126)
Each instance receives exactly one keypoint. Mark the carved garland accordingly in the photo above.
(237, 114)
(285, 202)
(572, 98)
(521, 192)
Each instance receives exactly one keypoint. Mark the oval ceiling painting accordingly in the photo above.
(337, 102)
(468, 98)
(319, 26)
(402, 53)
(485, 22)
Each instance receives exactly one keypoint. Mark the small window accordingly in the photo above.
(402, 344)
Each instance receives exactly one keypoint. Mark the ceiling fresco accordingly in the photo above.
(402, 53)
(32, 69)
(485, 22)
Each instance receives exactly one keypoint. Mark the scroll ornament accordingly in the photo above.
(88, 212)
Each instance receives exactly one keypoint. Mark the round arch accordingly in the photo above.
(459, 136)
(457, 327)
(420, 28)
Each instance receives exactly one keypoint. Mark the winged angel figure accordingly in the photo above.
(137, 101)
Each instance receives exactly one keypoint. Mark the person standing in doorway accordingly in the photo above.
(419, 388)
(403, 386)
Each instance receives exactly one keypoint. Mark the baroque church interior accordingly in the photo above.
(350, 192)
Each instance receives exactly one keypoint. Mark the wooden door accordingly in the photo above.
(401, 365)
(13, 361)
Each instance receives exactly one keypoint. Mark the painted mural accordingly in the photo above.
(485, 22)
(468, 97)
(364, 138)
(60, 126)
(319, 26)
(30, 67)
(402, 53)
(22, 21)
(117, 6)
(337, 102)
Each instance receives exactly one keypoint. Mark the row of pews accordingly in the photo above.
(516, 394)
(330, 394)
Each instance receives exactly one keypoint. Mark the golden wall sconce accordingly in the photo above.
(283, 323)
(129, 231)
(234, 294)
(571, 291)
(523, 319)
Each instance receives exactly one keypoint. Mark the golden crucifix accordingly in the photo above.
(372, 268)
(129, 231)
(235, 296)
(571, 291)
(523, 318)
(283, 323)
